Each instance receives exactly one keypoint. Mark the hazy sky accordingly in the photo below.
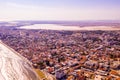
(59, 10)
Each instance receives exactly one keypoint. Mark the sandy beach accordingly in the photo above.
(13, 66)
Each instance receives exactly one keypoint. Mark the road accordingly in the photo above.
(13, 66)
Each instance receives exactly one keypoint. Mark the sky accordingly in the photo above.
(70, 10)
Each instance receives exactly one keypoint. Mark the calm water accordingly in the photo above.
(60, 27)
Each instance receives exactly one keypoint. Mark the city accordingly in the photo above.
(59, 39)
(68, 55)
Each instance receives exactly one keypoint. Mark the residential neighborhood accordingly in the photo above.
(69, 55)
